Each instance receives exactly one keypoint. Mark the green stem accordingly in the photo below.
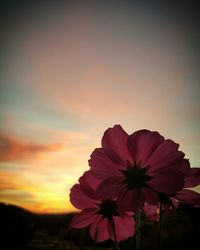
(160, 225)
(138, 221)
(114, 233)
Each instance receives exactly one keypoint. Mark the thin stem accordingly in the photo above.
(114, 233)
(95, 239)
(160, 225)
(138, 221)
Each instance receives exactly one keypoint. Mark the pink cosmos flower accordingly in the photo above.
(99, 213)
(191, 179)
(137, 167)
(153, 211)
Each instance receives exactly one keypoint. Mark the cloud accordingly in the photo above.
(17, 195)
(14, 149)
(47, 175)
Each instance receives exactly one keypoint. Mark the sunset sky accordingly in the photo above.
(71, 69)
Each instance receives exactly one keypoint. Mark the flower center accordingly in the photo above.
(108, 208)
(136, 177)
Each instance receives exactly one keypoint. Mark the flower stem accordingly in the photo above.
(160, 225)
(138, 221)
(114, 233)
(95, 240)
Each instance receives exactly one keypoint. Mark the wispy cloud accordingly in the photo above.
(17, 195)
(47, 173)
(14, 149)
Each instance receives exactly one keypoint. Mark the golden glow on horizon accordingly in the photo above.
(43, 182)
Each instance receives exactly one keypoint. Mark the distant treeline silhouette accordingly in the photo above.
(19, 227)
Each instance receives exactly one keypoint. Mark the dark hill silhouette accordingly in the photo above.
(24, 230)
(19, 225)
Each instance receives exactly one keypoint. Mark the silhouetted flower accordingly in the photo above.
(99, 212)
(191, 180)
(137, 167)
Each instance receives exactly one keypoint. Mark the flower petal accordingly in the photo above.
(115, 140)
(142, 144)
(84, 218)
(124, 227)
(185, 167)
(88, 184)
(152, 212)
(127, 200)
(150, 196)
(79, 199)
(188, 196)
(88, 179)
(110, 187)
(193, 179)
(167, 182)
(99, 230)
(102, 166)
(166, 156)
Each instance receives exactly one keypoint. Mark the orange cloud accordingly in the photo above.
(13, 148)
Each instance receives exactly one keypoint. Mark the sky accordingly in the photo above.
(71, 69)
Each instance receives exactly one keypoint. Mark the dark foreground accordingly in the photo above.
(22, 230)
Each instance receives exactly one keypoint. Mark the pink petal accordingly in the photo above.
(94, 227)
(193, 179)
(188, 196)
(88, 184)
(151, 212)
(79, 199)
(110, 187)
(88, 179)
(142, 144)
(124, 227)
(115, 140)
(88, 191)
(127, 200)
(166, 156)
(167, 182)
(102, 166)
(99, 230)
(84, 218)
(150, 196)
(185, 167)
